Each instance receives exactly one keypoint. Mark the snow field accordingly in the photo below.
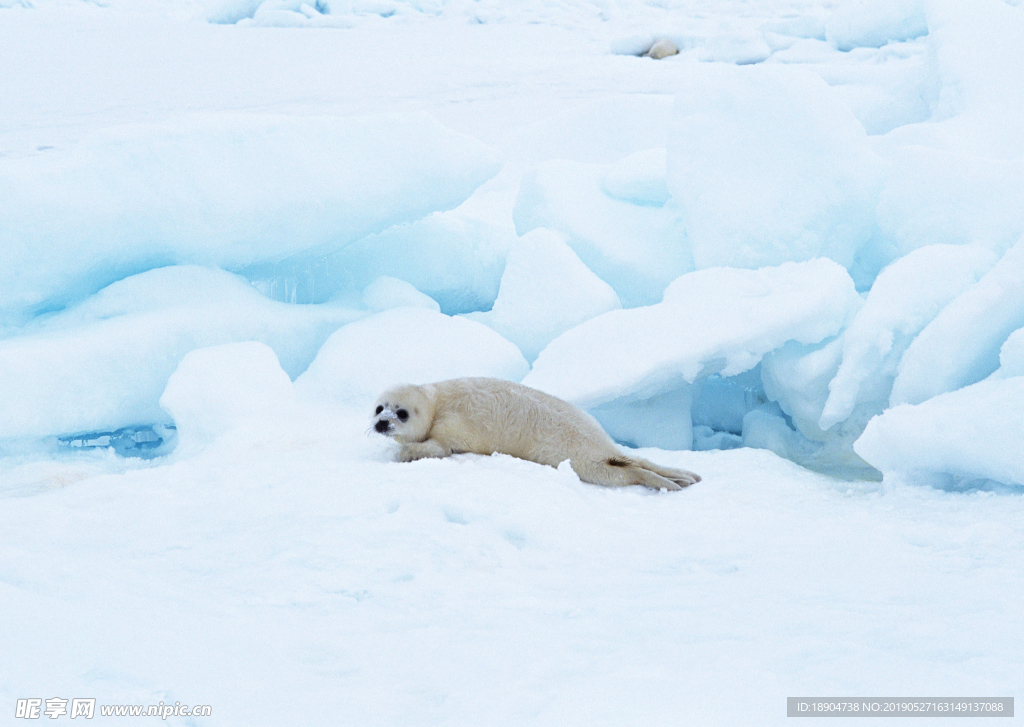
(291, 573)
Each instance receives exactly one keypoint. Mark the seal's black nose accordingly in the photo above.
(381, 425)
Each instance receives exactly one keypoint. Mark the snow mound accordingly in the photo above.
(405, 345)
(741, 48)
(804, 25)
(296, 14)
(972, 434)
(226, 12)
(386, 292)
(764, 430)
(797, 377)
(905, 297)
(974, 51)
(935, 196)
(1011, 356)
(720, 320)
(545, 290)
(453, 258)
(768, 165)
(977, 53)
(104, 364)
(221, 189)
(961, 346)
(637, 249)
(639, 178)
(662, 421)
(277, 13)
(873, 23)
(720, 403)
(217, 388)
(597, 132)
(884, 88)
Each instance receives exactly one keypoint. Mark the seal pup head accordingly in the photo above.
(404, 413)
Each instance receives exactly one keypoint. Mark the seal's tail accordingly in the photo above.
(683, 478)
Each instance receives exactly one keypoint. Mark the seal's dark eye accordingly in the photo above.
(402, 414)
(379, 409)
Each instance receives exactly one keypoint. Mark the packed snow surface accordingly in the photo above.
(226, 225)
(292, 571)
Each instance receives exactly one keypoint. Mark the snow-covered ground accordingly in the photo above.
(791, 257)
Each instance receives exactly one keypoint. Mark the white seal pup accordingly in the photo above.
(662, 49)
(484, 416)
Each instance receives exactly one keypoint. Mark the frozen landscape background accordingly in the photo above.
(790, 258)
